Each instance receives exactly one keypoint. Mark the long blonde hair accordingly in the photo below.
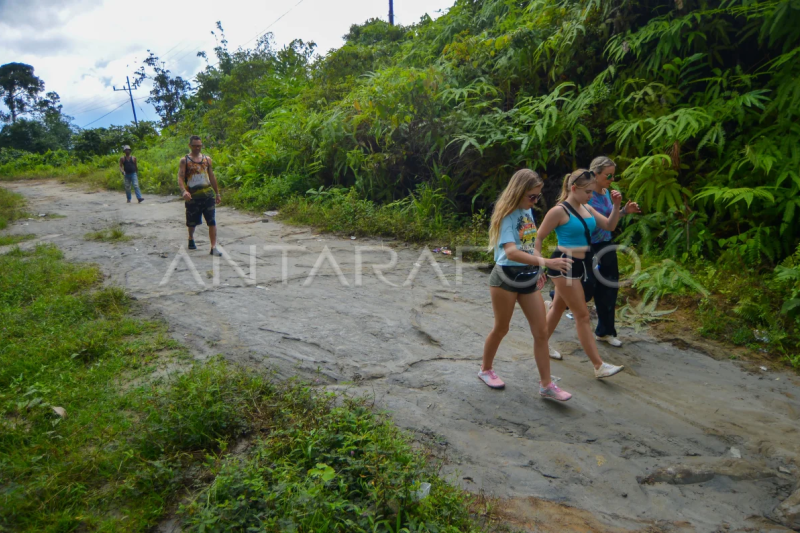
(522, 181)
(601, 163)
(579, 178)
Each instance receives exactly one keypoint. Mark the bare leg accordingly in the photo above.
(533, 307)
(557, 308)
(191, 232)
(572, 294)
(503, 302)
(212, 235)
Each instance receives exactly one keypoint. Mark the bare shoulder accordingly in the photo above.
(210, 162)
(557, 213)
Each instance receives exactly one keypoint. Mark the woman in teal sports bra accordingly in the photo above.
(572, 242)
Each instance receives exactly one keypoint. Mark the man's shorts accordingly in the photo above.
(199, 208)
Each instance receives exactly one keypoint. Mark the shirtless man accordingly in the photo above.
(129, 168)
(199, 189)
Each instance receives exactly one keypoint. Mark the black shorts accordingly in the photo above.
(579, 269)
(199, 208)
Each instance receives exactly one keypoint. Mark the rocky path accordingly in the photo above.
(679, 442)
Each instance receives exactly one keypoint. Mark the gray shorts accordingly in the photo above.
(496, 280)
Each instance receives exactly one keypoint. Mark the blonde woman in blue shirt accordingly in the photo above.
(518, 277)
(572, 219)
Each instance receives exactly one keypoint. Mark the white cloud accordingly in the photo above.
(82, 47)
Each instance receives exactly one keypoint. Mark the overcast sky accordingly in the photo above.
(81, 48)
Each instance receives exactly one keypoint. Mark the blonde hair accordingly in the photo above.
(522, 181)
(601, 163)
(579, 178)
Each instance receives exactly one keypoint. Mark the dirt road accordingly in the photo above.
(729, 436)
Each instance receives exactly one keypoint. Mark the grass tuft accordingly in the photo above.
(112, 234)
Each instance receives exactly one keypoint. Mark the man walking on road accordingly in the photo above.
(130, 173)
(199, 188)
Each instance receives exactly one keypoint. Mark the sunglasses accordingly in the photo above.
(534, 197)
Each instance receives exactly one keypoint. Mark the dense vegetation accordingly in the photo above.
(421, 126)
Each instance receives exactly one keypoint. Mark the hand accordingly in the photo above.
(616, 198)
(186, 195)
(562, 264)
(632, 207)
(218, 199)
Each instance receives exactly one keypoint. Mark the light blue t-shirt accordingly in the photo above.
(518, 227)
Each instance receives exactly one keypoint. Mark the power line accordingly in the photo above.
(96, 108)
(262, 32)
(92, 103)
(106, 105)
(104, 116)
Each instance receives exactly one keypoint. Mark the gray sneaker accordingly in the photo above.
(610, 339)
(606, 370)
(554, 353)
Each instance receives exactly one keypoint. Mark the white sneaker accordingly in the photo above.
(610, 339)
(606, 371)
(554, 353)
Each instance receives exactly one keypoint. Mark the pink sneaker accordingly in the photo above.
(491, 379)
(554, 393)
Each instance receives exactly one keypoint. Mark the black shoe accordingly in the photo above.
(129, 201)
(141, 200)
(192, 245)
(216, 252)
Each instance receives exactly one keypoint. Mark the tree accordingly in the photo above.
(103, 141)
(19, 88)
(169, 93)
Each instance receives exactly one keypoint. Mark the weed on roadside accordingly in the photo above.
(112, 234)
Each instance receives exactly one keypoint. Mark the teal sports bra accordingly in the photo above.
(572, 234)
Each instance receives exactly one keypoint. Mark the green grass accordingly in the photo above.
(6, 240)
(112, 234)
(149, 434)
(12, 207)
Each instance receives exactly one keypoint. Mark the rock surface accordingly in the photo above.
(788, 512)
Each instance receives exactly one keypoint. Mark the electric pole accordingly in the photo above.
(391, 12)
(130, 93)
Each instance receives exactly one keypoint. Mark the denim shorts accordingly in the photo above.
(199, 208)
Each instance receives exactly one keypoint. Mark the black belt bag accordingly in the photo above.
(521, 274)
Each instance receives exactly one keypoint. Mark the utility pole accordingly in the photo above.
(391, 12)
(130, 93)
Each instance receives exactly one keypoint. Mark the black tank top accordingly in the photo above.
(129, 165)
